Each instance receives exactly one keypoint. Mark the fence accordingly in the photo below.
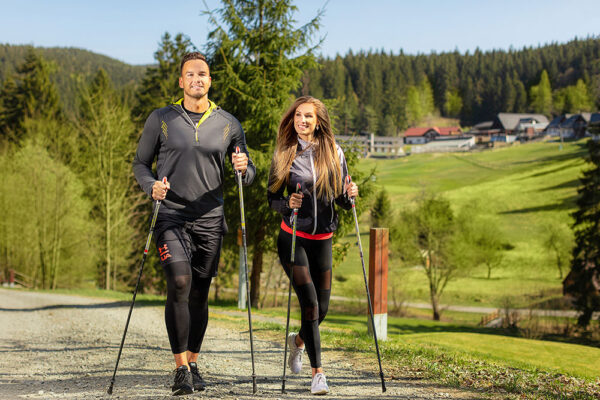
(371, 144)
(15, 278)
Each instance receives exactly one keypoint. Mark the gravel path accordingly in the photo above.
(59, 346)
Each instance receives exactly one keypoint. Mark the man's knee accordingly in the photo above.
(181, 288)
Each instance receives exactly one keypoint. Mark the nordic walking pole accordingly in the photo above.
(362, 260)
(156, 207)
(292, 259)
(239, 179)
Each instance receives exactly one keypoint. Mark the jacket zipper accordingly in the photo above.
(312, 165)
(211, 107)
(192, 123)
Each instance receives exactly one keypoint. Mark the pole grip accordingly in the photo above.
(237, 151)
(348, 181)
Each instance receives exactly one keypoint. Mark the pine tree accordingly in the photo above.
(579, 99)
(370, 120)
(413, 112)
(31, 95)
(381, 212)
(521, 97)
(583, 282)
(10, 113)
(257, 60)
(573, 99)
(541, 95)
(426, 97)
(509, 95)
(160, 85)
(38, 94)
(454, 104)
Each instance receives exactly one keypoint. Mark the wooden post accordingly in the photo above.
(11, 277)
(241, 274)
(378, 273)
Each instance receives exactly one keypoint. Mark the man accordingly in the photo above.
(190, 139)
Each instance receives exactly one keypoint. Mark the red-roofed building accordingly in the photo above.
(419, 135)
(450, 131)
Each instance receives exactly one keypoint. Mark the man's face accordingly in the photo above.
(195, 79)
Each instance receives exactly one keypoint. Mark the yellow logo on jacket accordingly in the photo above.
(226, 132)
(163, 126)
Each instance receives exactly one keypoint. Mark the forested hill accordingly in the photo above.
(385, 93)
(70, 64)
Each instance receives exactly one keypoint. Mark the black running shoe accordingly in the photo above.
(183, 381)
(199, 383)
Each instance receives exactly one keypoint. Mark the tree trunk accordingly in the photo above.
(42, 263)
(217, 286)
(107, 238)
(264, 298)
(436, 307)
(56, 242)
(257, 264)
(276, 296)
(559, 264)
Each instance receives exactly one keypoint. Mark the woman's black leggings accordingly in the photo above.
(186, 311)
(312, 284)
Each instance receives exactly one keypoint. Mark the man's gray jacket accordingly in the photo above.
(192, 157)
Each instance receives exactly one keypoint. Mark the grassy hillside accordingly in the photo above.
(523, 188)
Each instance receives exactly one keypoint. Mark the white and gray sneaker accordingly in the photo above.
(295, 358)
(319, 384)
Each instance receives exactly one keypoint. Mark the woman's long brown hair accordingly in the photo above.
(328, 169)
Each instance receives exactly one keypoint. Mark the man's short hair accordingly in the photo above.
(194, 55)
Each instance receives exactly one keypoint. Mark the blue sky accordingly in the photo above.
(130, 30)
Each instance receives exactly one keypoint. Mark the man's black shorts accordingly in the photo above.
(197, 242)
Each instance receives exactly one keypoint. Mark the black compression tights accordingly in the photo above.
(186, 311)
(312, 284)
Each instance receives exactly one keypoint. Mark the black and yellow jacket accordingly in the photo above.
(317, 215)
(192, 157)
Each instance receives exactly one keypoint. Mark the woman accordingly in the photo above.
(306, 153)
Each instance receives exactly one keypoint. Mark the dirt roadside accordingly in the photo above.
(59, 346)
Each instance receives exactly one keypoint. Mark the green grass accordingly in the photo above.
(456, 355)
(523, 188)
(565, 358)
(482, 344)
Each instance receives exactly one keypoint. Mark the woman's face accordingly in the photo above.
(305, 120)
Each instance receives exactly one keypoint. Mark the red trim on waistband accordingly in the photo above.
(318, 236)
